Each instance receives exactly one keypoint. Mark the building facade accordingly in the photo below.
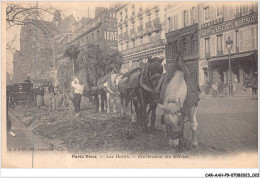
(39, 49)
(218, 22)
(101, 31)
(140, 33)
(35, 57)
(182, 32)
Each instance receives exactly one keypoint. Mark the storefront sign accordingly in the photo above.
(242, 21)
(183, 32)
(213, 22)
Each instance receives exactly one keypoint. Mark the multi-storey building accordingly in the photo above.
(182, 33)
(39, 48)
(140, 32)
(101, 31)
(218, 22)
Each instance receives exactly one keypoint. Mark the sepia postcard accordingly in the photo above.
(90, 84)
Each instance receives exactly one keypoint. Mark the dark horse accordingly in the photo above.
(141, 83)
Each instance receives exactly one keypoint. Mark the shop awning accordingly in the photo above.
(235, 56)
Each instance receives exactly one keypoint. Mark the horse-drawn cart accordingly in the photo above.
(20, 94)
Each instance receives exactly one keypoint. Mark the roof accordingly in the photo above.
(65, 26)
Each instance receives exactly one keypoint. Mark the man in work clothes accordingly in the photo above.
(78, 91)
(52, 92)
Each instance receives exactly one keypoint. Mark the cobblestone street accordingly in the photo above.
(226, 125)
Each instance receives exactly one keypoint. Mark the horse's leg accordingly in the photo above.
(143, 112)
(135, 115)
(122, 103)
(108, 103)
(194, 127)
(99, 102)
(153, 117)
(114, 103)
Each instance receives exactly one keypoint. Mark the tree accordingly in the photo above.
(72, 52)
(98, 62)
(19, 15)
(28, 14)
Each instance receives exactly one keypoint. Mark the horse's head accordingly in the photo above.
(155, 71)
(172, 118)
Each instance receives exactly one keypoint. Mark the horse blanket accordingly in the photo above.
(192, 98)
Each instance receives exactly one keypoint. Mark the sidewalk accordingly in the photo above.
(209, 96)
(24, 139)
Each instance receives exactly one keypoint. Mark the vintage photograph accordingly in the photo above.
(129, 84)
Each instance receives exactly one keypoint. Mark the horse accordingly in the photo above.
(111, 85)
(180, 97)
(141, 83)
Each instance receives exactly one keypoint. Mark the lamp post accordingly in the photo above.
(229, 44)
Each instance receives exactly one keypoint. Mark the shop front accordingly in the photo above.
(188, 38)
(243, 67)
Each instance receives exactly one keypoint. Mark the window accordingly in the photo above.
(253, 38)
(206, 13)
(237, 42)
(175, 22)
(185, 48)
(185, 17)
(126, 14)
(207, 47)
(133, 9)
(219, 10)
(169, 24)
(98, 35)
(121, 16)
(219, 44)
(245, 9)
(193, 45)
(133, 43)
(192, 15)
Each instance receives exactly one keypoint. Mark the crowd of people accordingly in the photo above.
(53, 89)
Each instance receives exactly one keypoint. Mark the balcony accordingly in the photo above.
(219, 52)
(140, 31)
(126, 19)
(120, 22)
(207, 54)
(148, 25)
(132, 34)
(157, 27)
(132, 18)
(120, 37)
(132, 31)
(238, 15)
(125, 36)
(143, 47)
(148, 28)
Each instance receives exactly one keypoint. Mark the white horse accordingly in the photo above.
(172, 108)
(109, 84)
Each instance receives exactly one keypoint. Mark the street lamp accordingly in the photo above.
(229, 44)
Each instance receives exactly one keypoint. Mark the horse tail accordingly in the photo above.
(127, 100)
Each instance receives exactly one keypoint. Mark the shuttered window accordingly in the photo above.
(175, 22)
(219, 44)
(207, 46)
(247, 39)
(256, 39)
(213, 46)
(192, 16)
(232, 36)
(241, 44)
(202, 53)
(253, 44)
